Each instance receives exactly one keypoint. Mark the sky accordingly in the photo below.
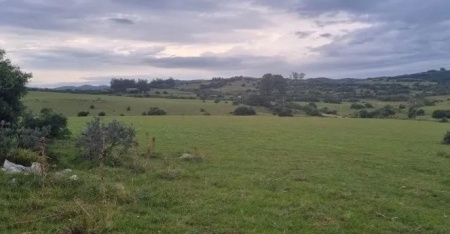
(85, 41)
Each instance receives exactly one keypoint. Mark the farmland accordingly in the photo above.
(259, 174)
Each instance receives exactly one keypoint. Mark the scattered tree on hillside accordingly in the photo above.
(271, 85)
(12, 89)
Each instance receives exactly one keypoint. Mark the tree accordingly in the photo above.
(271, 83)
(143, 85)
(12, 89)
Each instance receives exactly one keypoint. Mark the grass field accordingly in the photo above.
(259, 175)
(71, 104)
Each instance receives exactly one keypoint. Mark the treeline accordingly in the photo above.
(120, 85)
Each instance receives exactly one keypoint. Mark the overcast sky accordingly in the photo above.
(91, 41)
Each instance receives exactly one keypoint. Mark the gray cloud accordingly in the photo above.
(401, 35)
(303, 34)
(401, 38)
(122, 20)
(326, 35)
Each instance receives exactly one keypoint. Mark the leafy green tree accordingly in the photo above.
(12, 89)
(271, 84)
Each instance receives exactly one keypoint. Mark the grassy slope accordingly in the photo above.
(71, 104)
(267, 174)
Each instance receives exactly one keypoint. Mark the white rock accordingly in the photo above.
(74, 177)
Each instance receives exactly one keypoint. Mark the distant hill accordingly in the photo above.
(83, 88)
(439, 76)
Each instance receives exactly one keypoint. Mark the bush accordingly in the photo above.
(56, 124)
(357, 106)
(103, 114)
(244, 110)
(364, 114)
(401, 106)
(216, 100)
(285, 112)
(91, 107)
(8, 141)
(439, 114)
(23, 157)
(368, 105)
(28, 138)
(165, 92)
(446, 139)
(83, 113)
(202, 110)
(156, 111)
(114, 137)
(128, 108)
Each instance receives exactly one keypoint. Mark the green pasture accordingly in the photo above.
(71, 104)
(259, 175)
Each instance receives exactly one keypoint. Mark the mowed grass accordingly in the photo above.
(260, 175)
(71, 104)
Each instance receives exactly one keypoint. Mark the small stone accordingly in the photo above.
(74, 177)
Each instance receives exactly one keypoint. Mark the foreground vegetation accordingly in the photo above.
(257, 174)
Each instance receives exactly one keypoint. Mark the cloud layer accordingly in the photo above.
(186, 39)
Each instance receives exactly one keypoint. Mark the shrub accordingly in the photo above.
(244, 110)
(202, 110)
(413, 112)
(8, 141)
(128, 108)
(368, 105)
(364, 114)
(285, 112)
(23, 157)
(91, 107)
(144, 113)
(165, 92)
(446, 139)
(439, 114)
(235, 103)
(327, 111)
(28, 138)
(83, 113)
(216, 100)
(157, 92)
(357, 106)
(156, 111)
(56, 124)
(97, 138)
(401, 106)
(102, 113)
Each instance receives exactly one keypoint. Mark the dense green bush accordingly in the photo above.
(55, 123)
(156, 111)
(83, 113)
(103, 114)
(439, 114)
(285, 112)
(8, 141)
(244, 110)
